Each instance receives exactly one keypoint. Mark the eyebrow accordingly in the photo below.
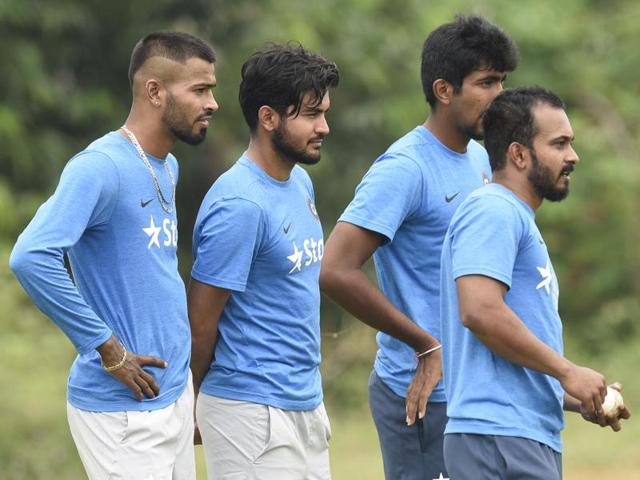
(315, 109)
(204, 84)
(566, 138)
(493, 76)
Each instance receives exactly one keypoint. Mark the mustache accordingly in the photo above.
(206, 116)
(567, 169)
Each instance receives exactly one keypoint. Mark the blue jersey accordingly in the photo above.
(494, 234)
(122, 248)
(409, 195)
(261, 238)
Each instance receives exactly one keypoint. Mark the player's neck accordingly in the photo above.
(445, 131)
(262, 153)
(520, 186)
(154, 137)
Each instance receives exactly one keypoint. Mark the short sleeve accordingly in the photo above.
(389, 193)
(485, 234)
(226, 243)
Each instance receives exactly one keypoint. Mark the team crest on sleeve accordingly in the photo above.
(312, 208)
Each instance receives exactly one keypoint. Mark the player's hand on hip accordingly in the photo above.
(140, 382)
(127, 368)
(426, 378)
(589, 387)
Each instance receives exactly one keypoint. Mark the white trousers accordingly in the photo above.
(148, 445)
(250, 441)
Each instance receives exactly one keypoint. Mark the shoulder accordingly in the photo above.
(491, 207)
(477, 150)
(238, 182)
(94, 164)
(301, 176)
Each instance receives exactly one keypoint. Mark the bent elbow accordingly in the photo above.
(20, 260)
(327, 279)
(474, 321)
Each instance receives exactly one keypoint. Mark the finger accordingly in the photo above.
(151, 382)
(411, 409)
(144, 386)
(151, 361)
(615, 425)
(135, 388)
(624, 413)
(422, 403)
(597, 404)
(616, 386)
(589, 408)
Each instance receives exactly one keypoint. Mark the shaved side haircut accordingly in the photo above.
(176, 46)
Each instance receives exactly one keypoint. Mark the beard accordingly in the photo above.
(180, 126)
(473, 131)
(283, 144)
(542, 180)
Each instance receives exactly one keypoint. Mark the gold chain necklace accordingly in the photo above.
(167, 205)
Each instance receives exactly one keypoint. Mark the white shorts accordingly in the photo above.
(148, 445)
(250, 441)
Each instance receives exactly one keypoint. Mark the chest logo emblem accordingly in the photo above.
(449, 199)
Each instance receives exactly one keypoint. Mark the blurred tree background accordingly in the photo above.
(63, 82)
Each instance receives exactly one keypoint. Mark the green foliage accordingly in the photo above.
(63, 82)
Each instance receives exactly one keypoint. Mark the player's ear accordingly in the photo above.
(268, 118)
(519, 155)
(442, 90)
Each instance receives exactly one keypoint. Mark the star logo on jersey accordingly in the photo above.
(153, 233)
(296, 259)
(441, 477)
(545, 272)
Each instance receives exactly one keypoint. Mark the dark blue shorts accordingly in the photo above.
(408, 453)
(492, 457)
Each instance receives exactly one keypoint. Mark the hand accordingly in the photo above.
(197, 438)
(612, 421)
(141, 383)
(424, 381)
(588, 387)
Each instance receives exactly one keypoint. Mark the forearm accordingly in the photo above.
(571, 404)
(206, 304)
(505, 334)
(202, 348)
(352, 290)
(44, 278)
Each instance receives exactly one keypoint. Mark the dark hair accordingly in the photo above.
(279, 76)
(177, 46)
(454, 50)
(509, 119)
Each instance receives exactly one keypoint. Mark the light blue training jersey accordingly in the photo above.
(122, 248)
(261, 238)
(494, 234)
(409, 195)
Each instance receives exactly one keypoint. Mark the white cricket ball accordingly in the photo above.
(612, 402)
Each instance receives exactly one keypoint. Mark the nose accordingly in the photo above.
(211, 105)
(573, 156)
(322, 127)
